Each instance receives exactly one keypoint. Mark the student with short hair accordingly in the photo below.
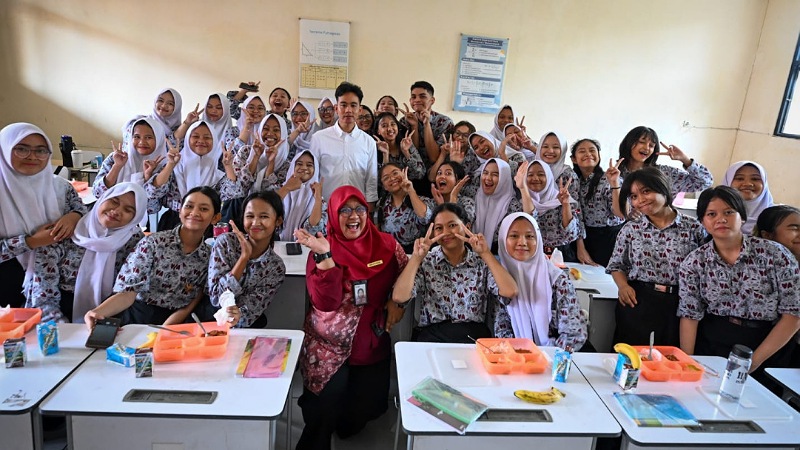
(780, 223)
(400, 211)
(366, 120)
(397, 148)
(431, 126)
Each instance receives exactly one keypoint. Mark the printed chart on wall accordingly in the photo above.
(324, 57)
(481, 66)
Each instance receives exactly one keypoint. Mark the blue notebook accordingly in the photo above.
(654, 410)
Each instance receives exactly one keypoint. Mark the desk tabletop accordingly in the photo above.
(595, 280)
(580, 413)
(779, 421)
(22, 388)
(295, 264)
(99, 386)
(788, 378)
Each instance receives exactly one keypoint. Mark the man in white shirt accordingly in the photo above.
(346, 154)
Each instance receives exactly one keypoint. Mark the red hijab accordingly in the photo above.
(365, 255)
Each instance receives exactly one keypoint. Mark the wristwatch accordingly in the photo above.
(319, 257)
(403, 305)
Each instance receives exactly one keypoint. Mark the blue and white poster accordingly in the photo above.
(481, 67)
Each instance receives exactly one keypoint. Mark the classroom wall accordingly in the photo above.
(585, 68)
(755, 141)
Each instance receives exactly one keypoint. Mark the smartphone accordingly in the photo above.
(248, 87)
(103, 333)
(293, 248)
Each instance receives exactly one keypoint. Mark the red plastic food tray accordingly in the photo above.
(674, 365)
(18, 321)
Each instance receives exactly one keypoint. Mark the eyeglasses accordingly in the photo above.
(299, 114)
(325, 109)
(459, 135)
(256, 108)
(365, 117)
(347, 211)
(40, 153)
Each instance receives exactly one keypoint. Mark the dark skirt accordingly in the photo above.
(600, 241)
(12, 276)
(654, 311)
(145, 313)
(451, 332)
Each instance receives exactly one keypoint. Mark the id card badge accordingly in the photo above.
(360, 292)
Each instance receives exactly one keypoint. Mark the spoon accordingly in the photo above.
(481, 344)
(185, 333)
(197, 319)
(652, 339)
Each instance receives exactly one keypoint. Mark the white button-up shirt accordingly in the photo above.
(347, 158)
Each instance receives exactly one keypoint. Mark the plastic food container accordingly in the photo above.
(505, 356)
(171, 346)
(18, 322)
(669, 364)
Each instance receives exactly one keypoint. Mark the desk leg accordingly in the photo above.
(36, 422)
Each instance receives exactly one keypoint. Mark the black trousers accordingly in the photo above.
(654, 311)
(353, 396)
(600, 243)
(450, 332)
(12, 275)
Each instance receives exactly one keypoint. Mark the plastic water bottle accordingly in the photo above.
(739, 362)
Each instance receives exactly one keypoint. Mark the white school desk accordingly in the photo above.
(288, 308)
(23, 388)
(242, 416)
(781, 424)
(602, 292)
(577, 420)
(789, 379)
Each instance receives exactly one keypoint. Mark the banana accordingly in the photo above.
(540, 397)
(630, 352)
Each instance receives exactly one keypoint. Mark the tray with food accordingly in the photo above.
(15, 322)
(502, 356)
(668, 364)
(187, 342)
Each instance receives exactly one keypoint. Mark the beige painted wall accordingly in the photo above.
(586, 68)
(755, 141)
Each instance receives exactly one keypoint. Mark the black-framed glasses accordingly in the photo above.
(458, 134)
(256, 108)
(299, 114)
(40, 153)
(364, 117)
(346, 210)
(325, 109)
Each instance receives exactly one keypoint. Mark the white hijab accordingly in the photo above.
(221, 126)
(97, 271)
(174, 120)
(297, 205)
(303, 140)
(135, 164)
(497, 132)
(490, 209)
(531, 310)
(755, 206)
(280, 157)
(557, 167)
(323, 125)
(527, 154)
(547, 199)
(26, 201)
(242, 120)
(194, 170)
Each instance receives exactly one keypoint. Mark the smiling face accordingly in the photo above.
(31, 164)
(521, 240)
(271, 133)
(445, 179)
(365, 120)
(387, 129)
(586, 156)
(748, 182)
(490, 178)
(511, 133)
(787, 232)
(449, 224)
(347, 108)
(165, 104)
(505, 117)
(299, 114)
(260, 220)
(421, 100)
(201, 141)
(721, 221)
(646, 200)
(144, 140)
(214, 110)
(537, 177)
(304, 167)
(353, 224)
(256, 109)
(391, 178)
(482, 146)
(197, 212)
(279, 101)
(642, 149)
(326, 112)
(461, 134)
(386, 104)
(117, 211)
(551, 149)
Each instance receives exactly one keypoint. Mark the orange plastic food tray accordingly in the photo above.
(511, 355)
(171, 346)
(18, 322)
(682, 369)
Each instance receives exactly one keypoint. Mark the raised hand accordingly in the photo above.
(317, 244)
(244, 241)
(519, 123)
(293, 183)
(437, 194)
(410, 116)
(257, 149)
(563, 192)
(149, 166)
(457, 188)
(476, 241)
(405, 184)
(173, 155)
(425, 117)
(447, 146)
(383, 147)
(675, 153)
(423, 245)
(457, 152)
(521, 177)
(193, 116)
(612, 173)
(406, 143)
(119, 156)
(227, 155)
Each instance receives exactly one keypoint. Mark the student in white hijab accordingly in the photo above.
(76, 275)
(168, 110)
(137, 160)
(253, 112)
(494, 200)
(303, 119)
(37, 208)
(327, 115)
(217, 115)
(553, 150)
(264, 173)
(546, 308)
(750, 179)
(503, 117)
(303, 205)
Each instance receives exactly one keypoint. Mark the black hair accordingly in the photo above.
(467, 124)
(271, 198)
(458, 169)
(396, 106)
(632, 138)
(287, 95)
(650, 177)
(366, 108)
(727, 194)
(424, 85)
(597, 172)
(397, 138)
(387, 197)
(209, 192)
(771, 217)
(346, 87)
(454, 208)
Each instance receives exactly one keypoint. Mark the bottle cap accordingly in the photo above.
(742, 351)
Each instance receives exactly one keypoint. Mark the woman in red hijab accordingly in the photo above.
(346, 351)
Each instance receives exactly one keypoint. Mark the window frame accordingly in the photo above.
(786, 101)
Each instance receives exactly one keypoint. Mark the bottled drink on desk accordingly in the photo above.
(739, 362)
